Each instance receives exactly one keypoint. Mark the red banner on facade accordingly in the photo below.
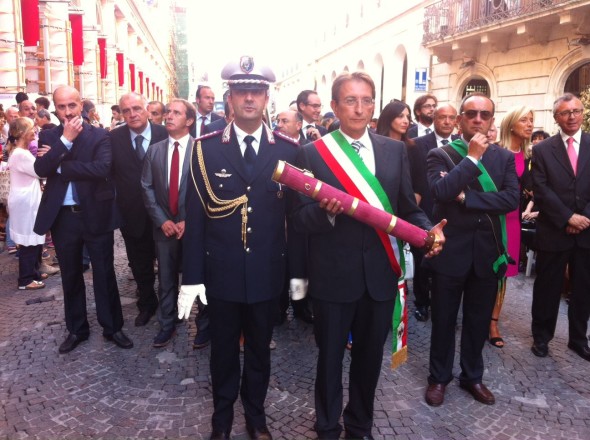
(140, 74)
(132, 76)
(102, 48)
(30, 21)
(121, 68)
(77, 39)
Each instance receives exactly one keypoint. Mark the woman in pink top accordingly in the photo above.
(515, 135)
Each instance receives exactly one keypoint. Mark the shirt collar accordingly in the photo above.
(577, 136)
(183, 141)
(147, 133)
(241, 134)
(365, 139)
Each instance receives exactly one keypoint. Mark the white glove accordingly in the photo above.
(186, 298)
(297, 288)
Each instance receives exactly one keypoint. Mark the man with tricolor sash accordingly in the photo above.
(355, 271)
(474, 184)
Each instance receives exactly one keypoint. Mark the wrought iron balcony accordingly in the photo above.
(451, 18)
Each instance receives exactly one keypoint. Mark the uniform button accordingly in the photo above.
(248, 188)
(249, 230)
(250, 209)
(247, 250)
(221, 185)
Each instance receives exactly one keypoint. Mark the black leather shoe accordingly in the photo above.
(201, 340)
(71, 342)
(261, 433)
(583, 352)
(220, 435)
(143, 318)
(164, 337)
(479, 392)
(421, 314)
(435, 394)
(120, 339)
(349, 436)
(540, 349)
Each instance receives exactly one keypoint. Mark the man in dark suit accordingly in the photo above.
(473, 182)
(424, 108)
(221, 123)
(353, 278)
(418, 148)
(78, 206)
(205, 102)
(164, 198)
(310, 107)
(235, 246)
(561, 184)
(130, 143)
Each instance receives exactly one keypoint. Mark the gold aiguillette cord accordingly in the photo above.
(222, 208)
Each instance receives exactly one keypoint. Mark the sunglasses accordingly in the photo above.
(483, 114)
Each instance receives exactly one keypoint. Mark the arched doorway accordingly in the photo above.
(476, 85)
(579, 80)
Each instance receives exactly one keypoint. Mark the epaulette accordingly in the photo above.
(287, 138)
(208, 135)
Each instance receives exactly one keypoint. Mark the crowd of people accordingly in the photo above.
(193, 195)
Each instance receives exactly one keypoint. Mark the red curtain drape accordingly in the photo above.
(154, 90)
(77, 39)
(147, 86)
(132, 76)
(121, 68)
(30, 21)
(102, 47)
(140, 74)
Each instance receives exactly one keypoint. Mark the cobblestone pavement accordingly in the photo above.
(101, 391)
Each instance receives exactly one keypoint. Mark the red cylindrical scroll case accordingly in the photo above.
(303, 182)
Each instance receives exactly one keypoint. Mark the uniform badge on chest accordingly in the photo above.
(223, 174)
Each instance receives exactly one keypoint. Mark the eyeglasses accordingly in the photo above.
(485, 115)
(568, 113)
(429, 106)
(315, 106)
(352, 102)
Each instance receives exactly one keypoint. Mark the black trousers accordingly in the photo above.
(69, 236)
(369, 321)
(547, 289)
(228, 320)
(421, 281)
(141, 253)
(29, 259)
(479, 295)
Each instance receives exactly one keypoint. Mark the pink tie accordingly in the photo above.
(571, 152)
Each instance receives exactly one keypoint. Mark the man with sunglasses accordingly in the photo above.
(561, 184)
(473, 183)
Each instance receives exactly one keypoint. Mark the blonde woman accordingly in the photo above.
(515, 135)
(23, 203)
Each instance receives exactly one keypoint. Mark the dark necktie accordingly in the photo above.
(202, 132)
(173, 188)
(428, 131)
(307, 127)
(357, 145)
(444, 141)
(249, 154)
(139, 147)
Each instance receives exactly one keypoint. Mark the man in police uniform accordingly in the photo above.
(235, 246)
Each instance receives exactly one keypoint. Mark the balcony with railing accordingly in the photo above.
(448, 19)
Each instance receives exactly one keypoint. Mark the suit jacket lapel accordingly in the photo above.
(162, 159)
(583, 153)
(186, 163)
(265, 154)
(382, 160)
(232, 152)
(560, 154)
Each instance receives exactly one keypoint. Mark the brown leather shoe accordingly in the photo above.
(435, 394)
(220, 435)
(261, 433)
(479, 392)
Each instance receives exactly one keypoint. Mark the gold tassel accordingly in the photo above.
(399, 357)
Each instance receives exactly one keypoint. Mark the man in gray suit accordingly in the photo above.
(164, 182)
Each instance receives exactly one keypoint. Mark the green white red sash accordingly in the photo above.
(359, 182)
